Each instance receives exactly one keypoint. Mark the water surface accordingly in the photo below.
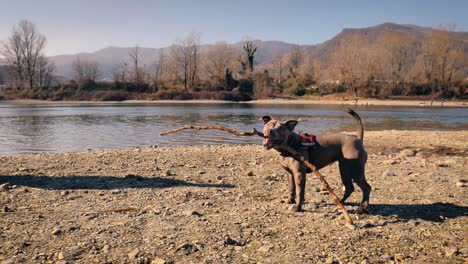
(59, 127)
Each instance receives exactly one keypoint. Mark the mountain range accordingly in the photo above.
(109, 58)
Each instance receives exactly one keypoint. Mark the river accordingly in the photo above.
(61, 127)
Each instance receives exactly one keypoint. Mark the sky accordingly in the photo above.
(73, 26)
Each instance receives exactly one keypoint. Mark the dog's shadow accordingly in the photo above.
(76, 182)
(435, 212)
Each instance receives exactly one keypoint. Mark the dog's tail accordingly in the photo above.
(358, 119)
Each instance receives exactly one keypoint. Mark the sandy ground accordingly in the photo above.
(419, 103)
(225, 204)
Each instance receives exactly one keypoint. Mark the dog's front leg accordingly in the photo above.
(291, 185)
(300, 182)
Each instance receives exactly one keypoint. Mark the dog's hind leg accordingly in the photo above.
(346, 179)
(366, 189)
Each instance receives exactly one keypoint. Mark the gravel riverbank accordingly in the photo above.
(225, 204)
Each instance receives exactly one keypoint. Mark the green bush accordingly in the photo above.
(292, 87)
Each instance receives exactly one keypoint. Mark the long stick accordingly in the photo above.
(232, 131)
(322, 179)
(287, 148)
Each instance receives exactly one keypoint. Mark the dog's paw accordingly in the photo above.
(363, 208)
(297, 208)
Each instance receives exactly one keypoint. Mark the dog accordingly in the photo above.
(321, 151)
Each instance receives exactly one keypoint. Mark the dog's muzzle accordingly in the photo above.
(268, 143)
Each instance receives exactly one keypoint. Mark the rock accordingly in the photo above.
(56, 231)
(460, 184)
(399, 257)
(351, 226)
(450, 251)
(132, 255)
(64, 193)
(191, 212)
(5, 186)
(158, 261)
(386, 257)
(187, 247)
(265, 249)
(7, 209)
(250, 173)
(60, 255)
(388, 173)
(106, 249)
(390, 162)
(8, 261)
(231, 242)
(169, 173)
(407, 153)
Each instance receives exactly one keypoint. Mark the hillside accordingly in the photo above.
(109, 58)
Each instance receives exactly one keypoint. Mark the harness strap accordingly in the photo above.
(307, 140)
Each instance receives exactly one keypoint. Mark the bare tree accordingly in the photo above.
(23, 50)
(442, 56)
(218, 59)
(350, 62)
(394, 57)
(185, 54)
(138, 69)
(159, 68)
(12, 51)
(85, 70)
(296, 60)
(121, 74)
(45, 72)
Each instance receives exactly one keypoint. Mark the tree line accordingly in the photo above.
(391, 64)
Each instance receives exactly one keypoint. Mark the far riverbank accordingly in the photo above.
(360, 102)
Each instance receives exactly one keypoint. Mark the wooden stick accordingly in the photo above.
(322, 179)
(232, 131)
(287, 148)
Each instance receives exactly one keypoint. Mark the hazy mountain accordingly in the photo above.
(109, 58)
(324, 50)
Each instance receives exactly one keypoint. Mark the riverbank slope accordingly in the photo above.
(225, 204)
(362, 102)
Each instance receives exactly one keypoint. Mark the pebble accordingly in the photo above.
(388, 173)
(387, 257)
(106, 249)
(191, 212)
(407, 153)
(250, 173)
(450, 251)
(132, 255)
(265, 249)
(461, 184)
(57, 231)
(5, 186)
(158, 261)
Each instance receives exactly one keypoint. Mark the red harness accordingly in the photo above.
(307, 140)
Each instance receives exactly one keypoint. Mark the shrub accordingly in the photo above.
(246, 86)
(113, 96)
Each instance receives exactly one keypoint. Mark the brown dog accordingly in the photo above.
(325, 149)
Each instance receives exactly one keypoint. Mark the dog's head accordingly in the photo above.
(276, 133)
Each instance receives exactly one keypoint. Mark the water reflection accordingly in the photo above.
(74, 127)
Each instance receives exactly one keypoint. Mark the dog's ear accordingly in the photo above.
(291, 124)
(266, 119)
